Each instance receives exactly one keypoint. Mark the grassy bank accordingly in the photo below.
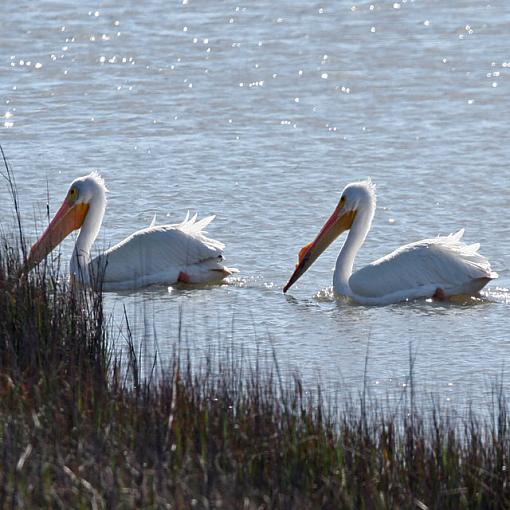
(78, 430)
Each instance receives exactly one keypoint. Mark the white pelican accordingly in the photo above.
(156, 254)
(439, 267)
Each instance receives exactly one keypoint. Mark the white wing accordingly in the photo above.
(158, 254)
(419, 268)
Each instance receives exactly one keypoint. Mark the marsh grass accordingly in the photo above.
(80, 429)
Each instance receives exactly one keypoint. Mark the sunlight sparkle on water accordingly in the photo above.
(326, 295)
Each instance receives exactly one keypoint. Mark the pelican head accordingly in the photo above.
(357, 202)
(84, 204)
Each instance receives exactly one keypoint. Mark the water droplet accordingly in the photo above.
(324, 76)
(426, 23)
(296, 99)
(372, 29)
(396, 5)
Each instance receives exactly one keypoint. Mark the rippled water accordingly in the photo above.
(260, 112)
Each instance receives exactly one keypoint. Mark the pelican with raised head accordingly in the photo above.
(440, 267)
(162, 254)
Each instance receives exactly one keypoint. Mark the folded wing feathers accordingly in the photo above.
(456, 237)
(467, 253)
(196, 229)
(442, 261)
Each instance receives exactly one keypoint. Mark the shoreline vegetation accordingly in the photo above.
(81, 429)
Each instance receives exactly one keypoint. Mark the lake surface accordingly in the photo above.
(260, 113)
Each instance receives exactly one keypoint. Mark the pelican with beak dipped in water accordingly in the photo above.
(162, 254)
(439, 267)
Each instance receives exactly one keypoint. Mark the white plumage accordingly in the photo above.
(160, 254)
(441, 267)
(156, 254)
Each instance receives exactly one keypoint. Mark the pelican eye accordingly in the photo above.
(342, 201)
(73, 194)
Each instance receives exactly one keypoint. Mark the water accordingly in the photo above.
(260, 113)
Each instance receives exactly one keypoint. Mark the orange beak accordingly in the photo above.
(67, 219)
(338, 222)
